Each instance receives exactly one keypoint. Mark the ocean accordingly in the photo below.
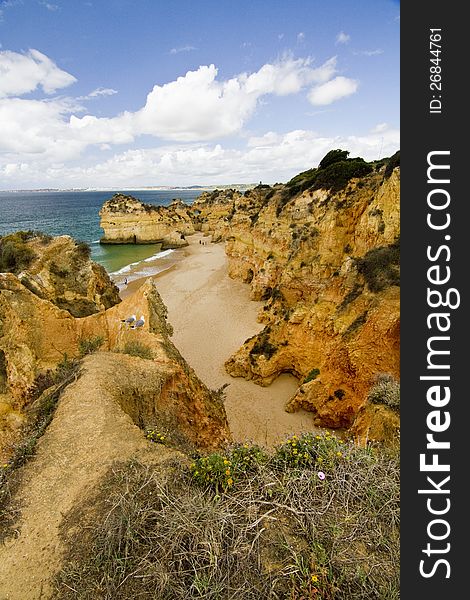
(75, 213)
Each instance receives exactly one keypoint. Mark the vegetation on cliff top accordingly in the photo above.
(315, 519)
(334, 172)
(15, 252)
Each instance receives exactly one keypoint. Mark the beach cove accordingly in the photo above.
(212, 315)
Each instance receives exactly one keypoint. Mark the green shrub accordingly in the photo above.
(246, 458)
(337, 175)
(155, 436)
(136, 348)
(380, 267)
(314, 373)
(333, 173)
(213, 471)
(263, 346)
(297, 452)
(90, 345)
(15, 255)
(282, 531)
(83, 249)
(359, 321)
(333, 156)
(385, 390)
(55, 269)
(393, 161)
(221, 471)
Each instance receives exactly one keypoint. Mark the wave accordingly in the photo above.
(129, 267)
(159, 255)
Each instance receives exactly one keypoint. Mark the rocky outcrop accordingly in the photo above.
(89, 435)
(126, 220)
(59, 269)
(323, 253)
(36, 335)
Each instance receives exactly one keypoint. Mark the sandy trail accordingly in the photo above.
(88, 433)
(212, 315)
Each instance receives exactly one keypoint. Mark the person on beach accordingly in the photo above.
(125, 281)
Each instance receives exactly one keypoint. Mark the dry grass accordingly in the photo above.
(280, 532)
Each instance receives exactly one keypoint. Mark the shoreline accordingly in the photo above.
(212, 315)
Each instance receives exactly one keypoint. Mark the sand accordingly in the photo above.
(212, 315)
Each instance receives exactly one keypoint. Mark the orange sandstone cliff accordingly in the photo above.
(126, 220)
(323, 253)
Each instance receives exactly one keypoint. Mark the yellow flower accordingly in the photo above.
(339, 454)
(305, 455)
(226, 462)
(227, 472)
(314, 579)
(229, 481)
(295, 451)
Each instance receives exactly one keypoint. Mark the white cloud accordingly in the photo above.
(198, 106)
(182, 49)
(375, 52)
(300, 37)
(23, 73)
(271, 157)
(98, 92)
(342, 38)
(50, 7)
(333, 90)
(380, 127)
(289, 76)
(31, 127)
(41, 137)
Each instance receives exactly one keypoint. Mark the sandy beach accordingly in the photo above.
(212, 316)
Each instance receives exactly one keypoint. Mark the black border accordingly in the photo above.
(422, 132)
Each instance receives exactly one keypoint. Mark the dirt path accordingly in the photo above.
(88, 433)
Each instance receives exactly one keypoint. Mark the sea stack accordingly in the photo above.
(126, 220)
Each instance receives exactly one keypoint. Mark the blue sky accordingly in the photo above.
(177, 92)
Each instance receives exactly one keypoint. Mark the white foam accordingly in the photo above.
(157, 256)
(125, 269)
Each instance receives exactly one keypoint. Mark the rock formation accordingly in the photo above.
(126, 220)
(36, 335)
(323, 252)
(59, 269)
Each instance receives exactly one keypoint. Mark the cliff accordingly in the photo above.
(58, 269)
(126, 220)
(36, 335)
(323, 253)
(120, 383)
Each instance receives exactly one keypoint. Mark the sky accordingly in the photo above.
(182, 92)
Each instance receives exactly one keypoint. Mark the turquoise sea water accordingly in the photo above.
(75, 213)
